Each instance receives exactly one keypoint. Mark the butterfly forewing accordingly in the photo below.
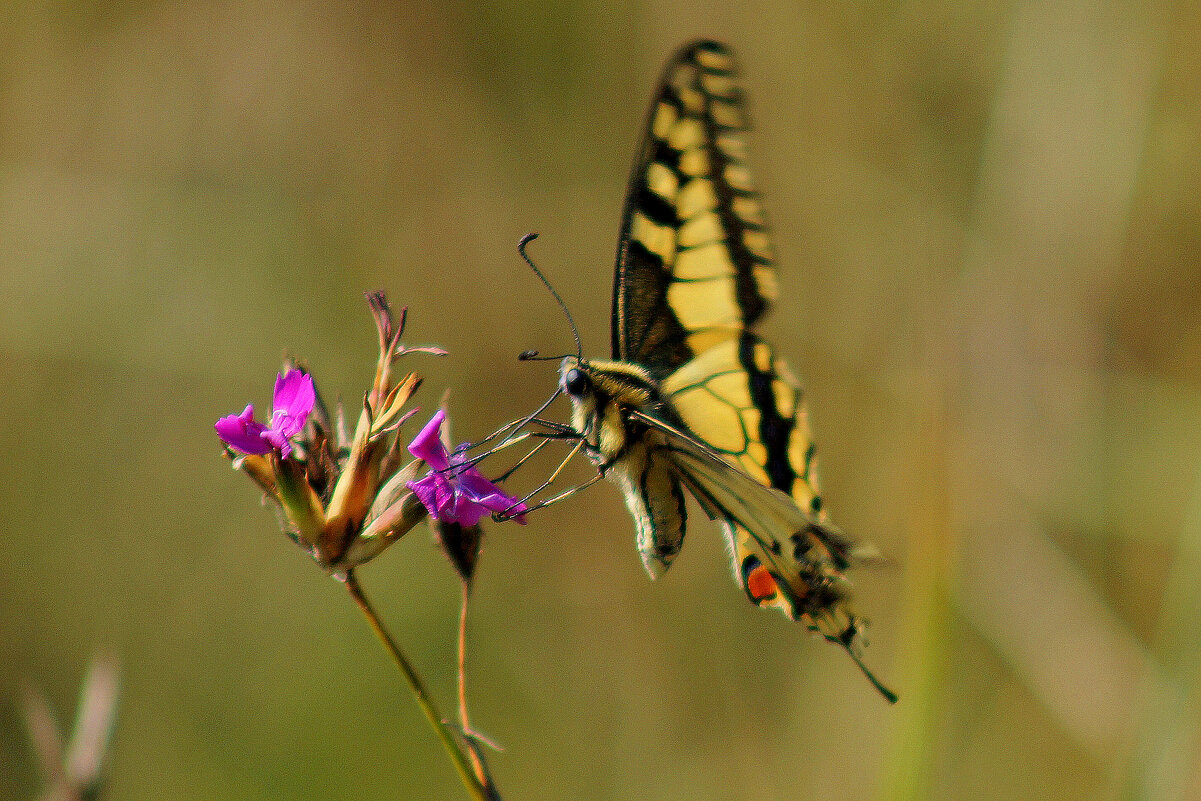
(694, 266)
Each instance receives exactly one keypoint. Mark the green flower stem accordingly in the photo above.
(461, 762)
(477, 764)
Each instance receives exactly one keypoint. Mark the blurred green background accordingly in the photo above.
(988, 217)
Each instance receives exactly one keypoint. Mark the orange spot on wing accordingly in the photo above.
(760, 584)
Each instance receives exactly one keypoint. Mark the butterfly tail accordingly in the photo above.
(817, 596)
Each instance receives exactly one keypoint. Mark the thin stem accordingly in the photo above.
(464, 720)
(460, 760)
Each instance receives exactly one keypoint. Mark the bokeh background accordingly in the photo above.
(988, 217)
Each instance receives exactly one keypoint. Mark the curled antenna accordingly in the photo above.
(525, 240)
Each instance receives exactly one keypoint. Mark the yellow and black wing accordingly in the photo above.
(695, 274)
(694, 266)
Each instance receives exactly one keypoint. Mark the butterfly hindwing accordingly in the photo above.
(785, 558)
(744, 403)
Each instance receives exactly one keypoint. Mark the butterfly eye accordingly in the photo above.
(575, 382)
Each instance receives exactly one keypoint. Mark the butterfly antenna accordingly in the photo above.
(575, 332)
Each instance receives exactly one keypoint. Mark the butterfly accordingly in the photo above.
(694, 400)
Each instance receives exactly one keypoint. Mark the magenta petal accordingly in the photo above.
(467, 512)
(500, 502)
(473, 483)
(286, 426)
(278, 441)
(243, 433)
(426, 490)
(294, 394)
(454, 491)
(293, 400)
(427, 445)
(512, 508)
(484, 492)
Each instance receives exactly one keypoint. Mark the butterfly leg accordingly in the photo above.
(522, 460)
(564, 494)
(553, 476)
(517, 425)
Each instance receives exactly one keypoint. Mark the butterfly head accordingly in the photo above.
(602, 394)
(575, 380)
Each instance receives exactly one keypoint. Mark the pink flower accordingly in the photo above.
(454, 491)
(290, 407)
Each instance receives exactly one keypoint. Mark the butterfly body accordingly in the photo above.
(636, 438)
(693, 398)
(604, 394)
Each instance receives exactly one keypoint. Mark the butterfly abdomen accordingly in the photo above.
(655, 500)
